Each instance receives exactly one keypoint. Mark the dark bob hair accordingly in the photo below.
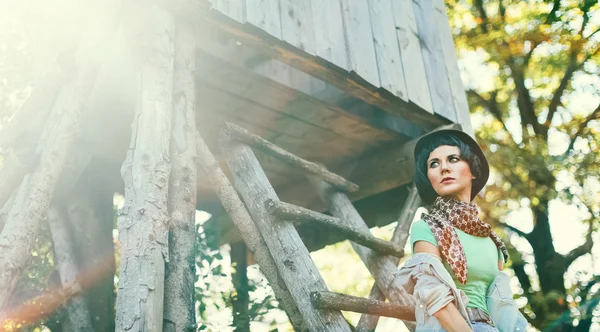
(471, 154)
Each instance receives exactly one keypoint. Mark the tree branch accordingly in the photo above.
(555, 102)
(482, 15)
(552, 15)
(515, 230)
(492, 106)
(595, 115)
(583, 249)
(524, 101)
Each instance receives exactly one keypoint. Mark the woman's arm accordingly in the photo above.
(448, 316)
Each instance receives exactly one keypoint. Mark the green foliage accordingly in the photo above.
(536, 114)
(215, 292)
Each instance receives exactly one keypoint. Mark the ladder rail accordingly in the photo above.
(297, 271)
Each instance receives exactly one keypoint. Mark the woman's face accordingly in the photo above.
(449, 175)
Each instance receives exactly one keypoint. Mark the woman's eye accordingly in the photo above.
(433, 164)
(454, 159)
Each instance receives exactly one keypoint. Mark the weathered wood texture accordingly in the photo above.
(399, 237)
(32, 202)
(385, 43)
(289, 212)
(291, 257)
(389, 60)
(265, 14)
(412, 56)
(330, 39)
(289, 158)
(336, 301)
(248, 231)
(459, 97)
(359, 36)
(297, 26)
(231, 8)
(143, 220)
(179, 301)
(382, 268)
(437, 78)
(77, 309)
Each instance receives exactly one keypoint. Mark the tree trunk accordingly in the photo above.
(179, 309)
(241, 318)
(143, 219)
(77, 309)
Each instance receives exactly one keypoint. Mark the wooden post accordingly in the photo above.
(289, 212)
(381, 267)
(248, 230)
(295, 267)
(241, 319)
(77, 309)
(337, 301)
(413, 201)
(143, 219)
(179, 311)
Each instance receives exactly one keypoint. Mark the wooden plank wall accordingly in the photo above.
(402, 46)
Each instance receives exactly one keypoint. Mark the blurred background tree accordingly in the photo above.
(531, 70)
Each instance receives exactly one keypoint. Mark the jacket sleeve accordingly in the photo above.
(430, 292)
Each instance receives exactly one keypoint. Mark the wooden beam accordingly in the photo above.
(337, 301)
(290, 212)
(382, 268)
(295, 269)
(248, 230)
(262, 144)
(400, 236)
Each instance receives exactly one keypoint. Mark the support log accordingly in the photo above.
(77, 308)
(290, 212)
(143, 219)
(381, 267)
(179, 311)
(35, 193)
(296, 269)
(368, 323)
(248, 231)
(262, 144)
(337, 301)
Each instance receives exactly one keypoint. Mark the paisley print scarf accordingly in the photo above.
(446, 213)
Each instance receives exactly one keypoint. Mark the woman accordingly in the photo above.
(454, 273)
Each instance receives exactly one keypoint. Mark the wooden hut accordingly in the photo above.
(345, 84)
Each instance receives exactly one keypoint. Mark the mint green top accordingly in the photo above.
(482, 262)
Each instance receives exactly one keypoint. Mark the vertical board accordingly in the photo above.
(359, 34)
(330, 41)
(231, 8)
(265, 14)
(437, 79)
(457, 89)
(297, 26)
(389, 61)
(412, 57)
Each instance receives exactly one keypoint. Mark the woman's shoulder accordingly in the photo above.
(420, 226)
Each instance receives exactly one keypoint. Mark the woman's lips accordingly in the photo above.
(447, 180)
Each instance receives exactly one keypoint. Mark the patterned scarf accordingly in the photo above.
(446, 213)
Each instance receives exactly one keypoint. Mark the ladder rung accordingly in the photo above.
(262, 144)
(337, 301)
(292, 212)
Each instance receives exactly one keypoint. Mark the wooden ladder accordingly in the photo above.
(267, 226)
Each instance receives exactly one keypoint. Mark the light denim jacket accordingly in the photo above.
(425, 277)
